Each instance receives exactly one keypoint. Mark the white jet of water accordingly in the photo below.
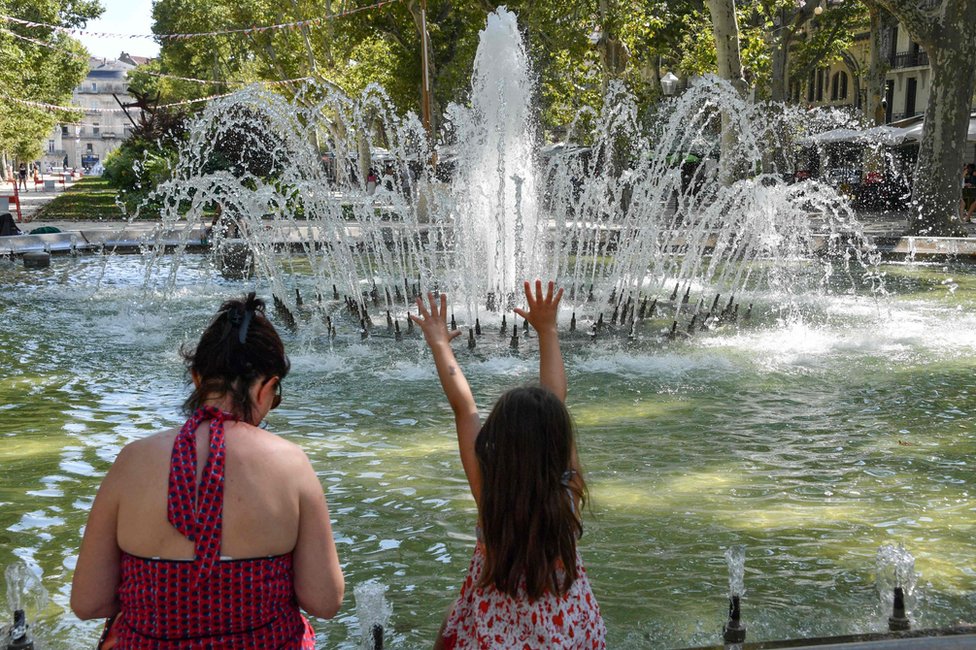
(495, 189)
(895, 567)
(372, 609)
(735, 556)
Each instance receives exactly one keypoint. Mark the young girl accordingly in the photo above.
(526, 586)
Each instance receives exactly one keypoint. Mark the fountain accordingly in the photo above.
(734, 631)
(24, 594)
(373, 612)
(741, 372)
(616, 224)
(895, 583)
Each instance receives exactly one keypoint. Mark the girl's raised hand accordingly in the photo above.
(433, 321)
(542, 308)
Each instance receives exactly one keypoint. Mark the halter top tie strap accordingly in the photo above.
(197, 511)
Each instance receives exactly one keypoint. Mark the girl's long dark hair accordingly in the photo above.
(228, 362)
(529, 524)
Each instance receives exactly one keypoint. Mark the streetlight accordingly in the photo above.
(669, 84)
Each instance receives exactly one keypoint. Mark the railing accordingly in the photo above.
(910, 59)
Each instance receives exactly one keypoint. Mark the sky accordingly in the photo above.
(122, 17)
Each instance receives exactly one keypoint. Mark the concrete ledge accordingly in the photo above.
(62, 242)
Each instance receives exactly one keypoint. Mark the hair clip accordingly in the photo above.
(245, 323)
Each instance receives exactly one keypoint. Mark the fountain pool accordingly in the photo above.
(810, 440)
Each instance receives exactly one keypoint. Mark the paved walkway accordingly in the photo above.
(36, 196)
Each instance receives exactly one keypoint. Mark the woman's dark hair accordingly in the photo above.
(529, 521)
(239, 346)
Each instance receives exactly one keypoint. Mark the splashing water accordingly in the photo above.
(622, 219)
(24, 589)
(895, 567)
(372, 609)
(735, 557)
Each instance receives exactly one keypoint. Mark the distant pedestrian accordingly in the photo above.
(22, 176)
(64, 163)
(371, 180)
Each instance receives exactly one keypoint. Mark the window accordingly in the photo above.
(95, 129)
(50, 146)
(64, 130)
(911, 91)
(88, 147)
(94, 87)
(820, 85)
(838, 86)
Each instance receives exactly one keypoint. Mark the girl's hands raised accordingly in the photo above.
(542, 308)
(433, 321)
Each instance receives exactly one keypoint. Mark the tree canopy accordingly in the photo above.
(41, 65)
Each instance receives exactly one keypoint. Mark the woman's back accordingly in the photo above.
(260, 494)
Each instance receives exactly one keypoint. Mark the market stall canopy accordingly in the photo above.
(906, 131)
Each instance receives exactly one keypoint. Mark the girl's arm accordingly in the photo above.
(433, 323)
(541, 314)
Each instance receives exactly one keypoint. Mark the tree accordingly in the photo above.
(882, 23)
(945, 28)
(39, 65)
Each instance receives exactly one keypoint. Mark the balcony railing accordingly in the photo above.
(910, 59)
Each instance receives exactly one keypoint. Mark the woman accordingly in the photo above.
(218, 548)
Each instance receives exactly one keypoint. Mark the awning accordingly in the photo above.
(900, 132)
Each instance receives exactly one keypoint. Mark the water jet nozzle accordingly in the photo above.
(397, 334)
(377, 633)
(453, 322)
(363, 331)
(514, 342)
(898, 621)
(477, 326)
(674, 294)
(572, 323)
(599, 322)
(471, 342)
(389, 321)
(734, 631)
(684, 299)
(335, 292)
(20, 637)
(298, 297)
(504, 328)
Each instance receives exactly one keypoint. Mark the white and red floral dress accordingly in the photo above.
(487, 618)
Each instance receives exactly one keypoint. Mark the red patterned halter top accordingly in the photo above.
(207, 602)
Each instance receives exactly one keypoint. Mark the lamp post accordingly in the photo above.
(669, 84)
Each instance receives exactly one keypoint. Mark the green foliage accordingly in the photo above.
(35, 72)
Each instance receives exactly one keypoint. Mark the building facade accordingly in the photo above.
(86, 143)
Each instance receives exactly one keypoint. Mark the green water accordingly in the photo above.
(812, 442)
